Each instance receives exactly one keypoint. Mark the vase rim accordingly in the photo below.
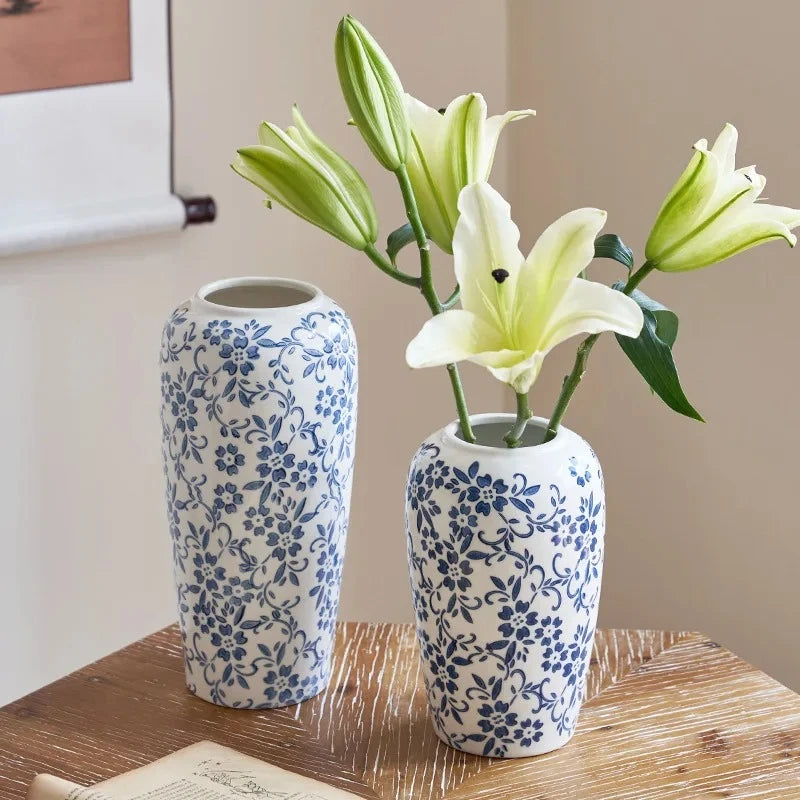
(313, 294)
(451, 437)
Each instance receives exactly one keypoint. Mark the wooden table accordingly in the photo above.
(669, 715)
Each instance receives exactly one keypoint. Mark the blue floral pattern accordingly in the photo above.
(505, 572)
(258, 431)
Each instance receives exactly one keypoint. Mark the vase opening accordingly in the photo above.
(489, 430)
(258, 293)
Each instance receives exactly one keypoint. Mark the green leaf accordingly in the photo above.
(398, 239)
(666, 320)
(609, 245)
(651, 353)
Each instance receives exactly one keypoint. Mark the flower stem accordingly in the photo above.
(523, 415)
(461, 404)
(386, 266)
(428, 290)
(570, 385)
(412, 212)
(638, 277)
(452, 299)
(581, 357)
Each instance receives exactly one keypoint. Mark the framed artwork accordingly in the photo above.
(54, 45)
(85, 122)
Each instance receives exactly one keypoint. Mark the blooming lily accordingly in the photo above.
(449, 151)
(516, 309)
(298, 170)
(711, 212)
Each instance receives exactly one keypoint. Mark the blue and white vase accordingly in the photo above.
(505, 551)
(258, 381)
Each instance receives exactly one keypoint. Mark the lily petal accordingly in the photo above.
(491, 133)
(453, 336)
(485, 240)
(724, 148)
(733, 193)
(270, 135)
(522, 375)
(589, 307)
(790, 217)
(425, 157)
(759, 223)
(463, 120)
(684, 206)
(564, 250)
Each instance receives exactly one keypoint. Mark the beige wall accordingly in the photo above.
(84, 540)
(703, 531)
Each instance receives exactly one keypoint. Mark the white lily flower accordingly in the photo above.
(711, 212)
(516, 309)
(449, 151)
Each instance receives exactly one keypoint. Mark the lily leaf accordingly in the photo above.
(609, 245)
(398, 239)
(667, 321)
(651, 353)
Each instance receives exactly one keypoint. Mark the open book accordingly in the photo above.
(204, 771)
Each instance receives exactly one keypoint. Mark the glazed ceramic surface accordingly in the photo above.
(505, 552)
(258, 424)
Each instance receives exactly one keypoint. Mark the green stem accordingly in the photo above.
(386, 266)
(461, 403)
(428, 290)
(638, 277)
(452, 299)
(574, 378)
(570, 385)
(412, 212)
(523, 415)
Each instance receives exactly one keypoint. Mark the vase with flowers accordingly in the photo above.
(505, 512)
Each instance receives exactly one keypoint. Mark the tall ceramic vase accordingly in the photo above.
(505, 551)
(258, 381)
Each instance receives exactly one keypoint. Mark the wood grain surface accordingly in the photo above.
(668, 715)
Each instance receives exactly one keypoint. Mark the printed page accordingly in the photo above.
(204, 771)
(48, 787)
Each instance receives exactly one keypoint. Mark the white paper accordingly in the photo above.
(75, 162)
(48, 787)
(204, 771)
(117, 220)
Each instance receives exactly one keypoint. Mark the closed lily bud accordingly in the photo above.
(298, 170)
(450, 150)
(712, 212)
(373, 93)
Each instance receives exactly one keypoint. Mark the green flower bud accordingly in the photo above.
(373, 93)
(298, 170)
